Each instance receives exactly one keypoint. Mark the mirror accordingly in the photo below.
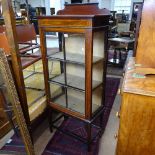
(11, 114)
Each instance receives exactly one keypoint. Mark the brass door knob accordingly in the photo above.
(119, 91)
(116, 136)
(118, 114)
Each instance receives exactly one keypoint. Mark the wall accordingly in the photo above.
(105, 4)
(57, 4)
(47, 5)
(37, 3)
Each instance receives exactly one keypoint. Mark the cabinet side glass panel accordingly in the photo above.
(75, 49)
(97, 77)
(52, 42)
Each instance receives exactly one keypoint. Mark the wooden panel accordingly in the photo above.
(146, 43)
(74, 21)
(137, 85)
(88, 73)
(85, 9)
(28, 31)
(65, 22)
(61, 29)
(137, 127)
(137, 124)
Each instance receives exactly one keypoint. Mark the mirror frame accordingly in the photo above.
(10, 86)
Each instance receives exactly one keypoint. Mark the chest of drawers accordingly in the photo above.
(136, 134)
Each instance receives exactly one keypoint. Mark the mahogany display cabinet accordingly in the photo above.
(78, 87)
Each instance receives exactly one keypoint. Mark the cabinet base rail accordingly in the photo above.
(88, 126)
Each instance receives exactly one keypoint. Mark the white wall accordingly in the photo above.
(57, 4)
(105, 4)
(37, 3)
(47, 5)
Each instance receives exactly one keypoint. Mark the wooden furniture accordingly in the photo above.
(145, 53)
(26, 60)
(137, 124)
(120, 45)
(79, 89)
(33, 79)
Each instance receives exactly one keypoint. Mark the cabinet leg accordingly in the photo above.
(115, 55)
(88, 129)
(101, 124)
(120, 55)
(50, 119)
(101, 121)
(65, 117)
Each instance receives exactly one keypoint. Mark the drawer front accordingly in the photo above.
(137, 125)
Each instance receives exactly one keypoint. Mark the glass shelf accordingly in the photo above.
(33, 96)
(73, 81)
(74, 103)
(73, 58)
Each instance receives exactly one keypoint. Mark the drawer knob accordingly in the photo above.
(118, 114)
(119, 91)
(116, 136)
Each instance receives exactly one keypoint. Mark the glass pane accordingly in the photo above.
(97, 79)
(58, 94)
(54, 68)
(76, 101)
(52, 43)
(35, 89)
(75, 47)
(67, 72)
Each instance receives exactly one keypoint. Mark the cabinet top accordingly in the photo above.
(139, 80)
(86, 10)
(77, 16)
(83, 9)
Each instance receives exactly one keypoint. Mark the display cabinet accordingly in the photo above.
(78, 88)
